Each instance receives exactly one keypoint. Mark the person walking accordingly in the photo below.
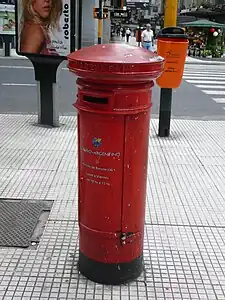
(147, 38)
(123, 33)
(128, 33)
(118, 31)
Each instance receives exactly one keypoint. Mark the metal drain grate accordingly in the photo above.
(18, 220)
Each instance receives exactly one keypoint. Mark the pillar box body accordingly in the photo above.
(113, 103)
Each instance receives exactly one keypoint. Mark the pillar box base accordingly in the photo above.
(105, 273)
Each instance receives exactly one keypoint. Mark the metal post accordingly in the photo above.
(170, 14)
(47, 89)
(165, 112)
(80, 20)
(139, 25)
(7, 40)
(73, 28)
(7, 48)
(170, 19)
(100, 21)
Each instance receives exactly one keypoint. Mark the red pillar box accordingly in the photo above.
(114, 101)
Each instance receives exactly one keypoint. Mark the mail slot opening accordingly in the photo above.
(95, 100)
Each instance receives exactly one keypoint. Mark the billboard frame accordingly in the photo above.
(55, 57)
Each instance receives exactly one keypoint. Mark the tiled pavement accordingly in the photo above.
(185, 215)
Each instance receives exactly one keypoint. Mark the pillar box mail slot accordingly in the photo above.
(95, 99)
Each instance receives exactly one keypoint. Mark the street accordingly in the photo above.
(201, 95)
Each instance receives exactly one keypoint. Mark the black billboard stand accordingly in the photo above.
(46, 66)
(45, 69)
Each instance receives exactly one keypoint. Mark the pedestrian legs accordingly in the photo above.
(148, 46)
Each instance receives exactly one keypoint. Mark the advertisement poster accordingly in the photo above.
(7, 18)
(43, 27)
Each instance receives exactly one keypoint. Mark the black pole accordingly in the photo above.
(73, 39)
(139, 34)
(139, 29)
(7, 39)
(165, 112)
(100, 21)
(7, 48)
(80, 24)
(45, 75)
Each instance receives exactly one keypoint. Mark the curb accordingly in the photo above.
(13, 57)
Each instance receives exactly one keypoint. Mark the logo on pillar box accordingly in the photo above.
(97, 142)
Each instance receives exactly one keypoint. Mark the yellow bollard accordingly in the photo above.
(170, 13)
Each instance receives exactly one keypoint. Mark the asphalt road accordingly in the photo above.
(18, 91)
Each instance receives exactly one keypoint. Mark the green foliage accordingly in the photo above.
(206, 53)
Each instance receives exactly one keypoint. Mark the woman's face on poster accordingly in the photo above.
(42, 7)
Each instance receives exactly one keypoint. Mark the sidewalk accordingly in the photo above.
(185, 214)
(13, 54)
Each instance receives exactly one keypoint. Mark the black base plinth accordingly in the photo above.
(110, 273)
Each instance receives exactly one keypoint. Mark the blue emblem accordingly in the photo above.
(96, 142)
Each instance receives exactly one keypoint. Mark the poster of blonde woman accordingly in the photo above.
(43, 27)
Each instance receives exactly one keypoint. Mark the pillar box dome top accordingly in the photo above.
(117, 62)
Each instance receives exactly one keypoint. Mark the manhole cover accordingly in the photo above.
(18, 220)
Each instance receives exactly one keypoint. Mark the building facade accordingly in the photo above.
(90, 25)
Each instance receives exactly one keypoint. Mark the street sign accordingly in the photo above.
(119, 13)
(105, 14)
(137, 1)
(144, 5)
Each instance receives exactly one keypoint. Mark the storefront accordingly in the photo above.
(206, 38)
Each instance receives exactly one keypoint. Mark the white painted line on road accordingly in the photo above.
(202, 86)
(196, 77)
(204, 74)
(213, 92)
(205, 71)
(206, 81)
(206, 68)
(219, 100)
(24, 67)
(18, 84)
(15, 67)
(203, 66)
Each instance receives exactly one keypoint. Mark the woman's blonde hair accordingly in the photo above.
(28, 14)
